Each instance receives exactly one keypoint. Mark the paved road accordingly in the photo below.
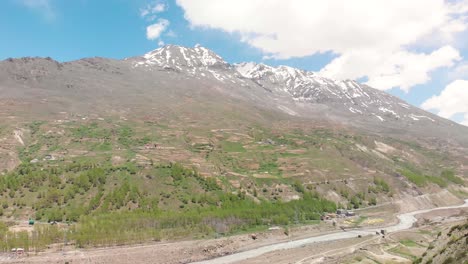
(406, 221)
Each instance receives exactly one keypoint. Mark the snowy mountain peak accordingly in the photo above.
(178, 57)
(287, 82)
(307, 86)
(252, 70)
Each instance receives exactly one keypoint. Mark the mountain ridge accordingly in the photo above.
(284, 75)
(180, 132)
(289, 90)
(306, 89)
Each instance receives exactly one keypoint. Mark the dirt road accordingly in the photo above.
(269, 246)
(406, 221)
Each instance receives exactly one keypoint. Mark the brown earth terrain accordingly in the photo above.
(355, 250)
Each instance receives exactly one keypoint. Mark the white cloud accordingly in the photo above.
(155, 30)
(171, 34)
(159, 8)
(465, 120)
(42, 6)
(451, 101)
(459, 72)
(393, 69)
(149, 12)
(160, 43)
(371, 38)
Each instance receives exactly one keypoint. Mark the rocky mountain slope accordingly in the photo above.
(303, 94)
(173, 69)
(214, 145)
(196, 87)
(449, 246)
(179, 83)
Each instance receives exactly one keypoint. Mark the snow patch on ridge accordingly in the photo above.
(379, 117)
(386, 110)
(287, 110)
(418, 117)
(354, 110)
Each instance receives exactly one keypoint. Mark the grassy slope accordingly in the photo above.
(449, 247)
(202, 179)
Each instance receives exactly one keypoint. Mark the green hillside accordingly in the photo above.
(111, 181)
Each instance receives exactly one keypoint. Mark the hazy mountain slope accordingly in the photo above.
(305, 94)
(173, 75)
(179, 134)
(196, 87)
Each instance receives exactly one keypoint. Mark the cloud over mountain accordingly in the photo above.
(378, 40)
(451, 101)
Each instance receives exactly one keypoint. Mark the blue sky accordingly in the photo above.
(415, 58)
(77, 29)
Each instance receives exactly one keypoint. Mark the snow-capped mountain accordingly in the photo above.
(179, 57)
(305, 86)
(173, 75)
(300, 85)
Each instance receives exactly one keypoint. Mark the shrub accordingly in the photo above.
(416, 178)
(450, 176)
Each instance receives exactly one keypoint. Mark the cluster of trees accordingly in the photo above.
(109, 208)
(357, 201)
(99, 223)
(64, 192)
(380, 186)
(179, 173)
(450, 176)
(422, 180)
(230, 214)
(37, 240)
(360, 199)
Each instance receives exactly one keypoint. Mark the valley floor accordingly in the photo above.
(366, 249)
